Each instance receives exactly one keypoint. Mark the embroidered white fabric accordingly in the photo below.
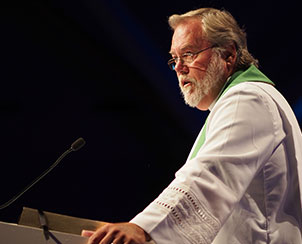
(189, 215)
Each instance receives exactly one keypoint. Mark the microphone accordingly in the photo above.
(79, 143)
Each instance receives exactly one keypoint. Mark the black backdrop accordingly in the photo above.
(97, 69)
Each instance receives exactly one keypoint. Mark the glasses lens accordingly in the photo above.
(171, 64)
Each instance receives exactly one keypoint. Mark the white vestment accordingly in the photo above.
(242, 187)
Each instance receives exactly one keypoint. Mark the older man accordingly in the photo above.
(240, 183)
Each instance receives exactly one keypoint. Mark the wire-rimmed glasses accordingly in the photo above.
(187, 58)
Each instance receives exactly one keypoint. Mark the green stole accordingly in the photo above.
(248, 75)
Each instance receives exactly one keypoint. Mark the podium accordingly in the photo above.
(39, 227)
(18, 234)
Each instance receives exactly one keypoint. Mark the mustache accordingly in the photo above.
(185, 78)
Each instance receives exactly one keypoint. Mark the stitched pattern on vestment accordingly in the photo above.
(189, 215)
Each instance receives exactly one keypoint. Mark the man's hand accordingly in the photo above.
(121, 233)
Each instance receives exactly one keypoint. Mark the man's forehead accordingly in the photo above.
(187, 35)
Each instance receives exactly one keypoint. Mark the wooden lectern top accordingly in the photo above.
(58, 222)
(37, 227)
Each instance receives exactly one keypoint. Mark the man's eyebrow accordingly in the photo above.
(184, 48)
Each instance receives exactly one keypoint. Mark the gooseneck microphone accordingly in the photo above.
(79, 143)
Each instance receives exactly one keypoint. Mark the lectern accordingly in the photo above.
(19, 234)
(39, 227)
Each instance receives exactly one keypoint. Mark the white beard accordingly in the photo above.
(198, 89)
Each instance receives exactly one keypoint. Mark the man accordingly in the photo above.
(240, 184)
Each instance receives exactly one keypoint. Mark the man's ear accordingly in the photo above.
(230, 53)
(230, 56)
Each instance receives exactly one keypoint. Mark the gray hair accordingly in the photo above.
(221, 29)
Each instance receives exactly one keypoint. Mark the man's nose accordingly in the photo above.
(181, 68)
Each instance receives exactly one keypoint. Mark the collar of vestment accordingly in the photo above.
(251, 74)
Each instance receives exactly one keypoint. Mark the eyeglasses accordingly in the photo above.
(186, 58)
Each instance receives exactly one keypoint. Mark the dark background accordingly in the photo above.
(97, 69)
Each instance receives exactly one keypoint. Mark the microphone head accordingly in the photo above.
(79, 143)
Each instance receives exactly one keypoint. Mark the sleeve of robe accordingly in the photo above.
(240, 137)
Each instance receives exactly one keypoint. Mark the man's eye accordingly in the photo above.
(187, 54)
